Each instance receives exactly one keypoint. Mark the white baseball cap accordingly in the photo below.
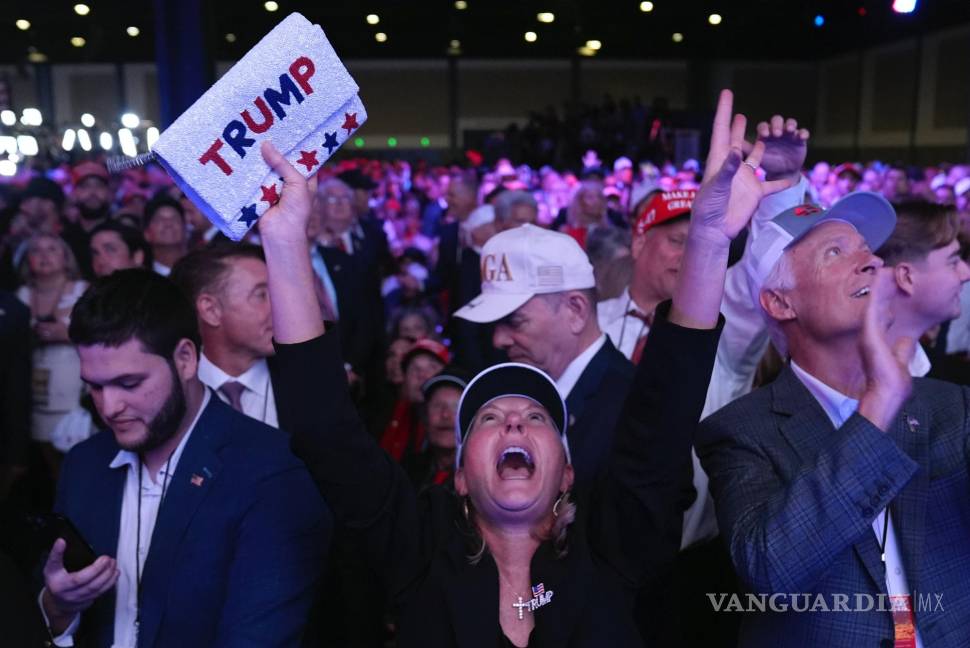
(869, 213)
(522, 262)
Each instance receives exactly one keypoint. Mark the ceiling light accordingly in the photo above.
(461, 5)
(585, 51)
(594, 45)
(82, 9)
(8, 117)
(69, 138)
(271, 6)
(37, 57)
(546, 17)
(380, 37)
(27, 144)
(87, 119)
(714, 19)
(373, 19)
(84, 139)
(8, 168)
(127, 142)
(78, 41)
(530, 37)
(230, 38)
(31, 117)
(151, 136)
(133, 31)
(646, 7)
(106, 141)
(904, 6)
(454, 44)
(23, 25)
(678, 37)
(130, 120)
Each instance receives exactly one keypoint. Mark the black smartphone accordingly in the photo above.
(49, 527)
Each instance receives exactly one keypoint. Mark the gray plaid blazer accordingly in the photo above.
(796, 499)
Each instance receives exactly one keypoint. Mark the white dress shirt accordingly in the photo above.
(623, 329)
(839, 407)
(575, 369)
(257, 399)
(126, 590)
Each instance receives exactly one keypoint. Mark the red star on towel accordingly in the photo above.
(350, 122)
(308, 159)
(270, 195)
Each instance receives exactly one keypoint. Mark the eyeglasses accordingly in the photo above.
(336, 200)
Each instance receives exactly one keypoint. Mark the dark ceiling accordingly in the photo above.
(762, 29)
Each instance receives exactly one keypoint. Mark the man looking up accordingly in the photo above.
(166, 232)
(92, 195)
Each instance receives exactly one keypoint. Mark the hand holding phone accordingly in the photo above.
(67, 594)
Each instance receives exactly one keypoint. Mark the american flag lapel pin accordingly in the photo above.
(913, 423)
(197, 479)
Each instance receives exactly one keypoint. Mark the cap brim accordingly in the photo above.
(491, 307)
(870, 213)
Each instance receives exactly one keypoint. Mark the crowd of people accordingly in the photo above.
(515, 400)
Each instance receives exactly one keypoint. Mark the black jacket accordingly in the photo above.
(626, 532)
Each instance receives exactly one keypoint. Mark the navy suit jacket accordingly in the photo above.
(796, 498)
(594, 406)
(233, 558)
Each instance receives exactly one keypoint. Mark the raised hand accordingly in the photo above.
(888, 381)
(67, 594)
(786, 146)
(731, 190)
(287, 220)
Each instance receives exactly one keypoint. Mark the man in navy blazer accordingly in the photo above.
(842, 488)
(209, 531)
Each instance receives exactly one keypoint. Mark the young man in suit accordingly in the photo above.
(209, 531)
(538, 288)
(845, 480)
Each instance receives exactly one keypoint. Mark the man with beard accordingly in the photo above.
(209, 531)
(93, 199)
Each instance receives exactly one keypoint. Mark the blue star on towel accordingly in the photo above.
(331, 142)
(249, 215)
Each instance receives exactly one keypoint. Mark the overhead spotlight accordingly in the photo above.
(454, 44)
(37, 57)
(904, 6)
(82, 9)
(819, 20)
(530, 37)
(84, 139)
(380, 37)
(586, 51)
(8, 144)
(31, 117)
(8, 168)
(271, 6)
(373, 19)
(8, 117)
(69, 138)
(27, 144)
(546, 17)
(133, 31)
(23, 25)
(78, 41)
(230, 38)
(678, 37)
(130, 120)
(151, 136)
(87, 119)
(646, 7)
(106, 141)
(594, 45)
(714, 19)
(461, 5)
(127, 142)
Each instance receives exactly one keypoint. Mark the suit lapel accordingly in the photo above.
(589, 381)
(197, 470)
(909, 507)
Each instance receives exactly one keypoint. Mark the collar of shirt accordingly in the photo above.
(254, 379)
(129, 458)
(838, 407)
(575, 369)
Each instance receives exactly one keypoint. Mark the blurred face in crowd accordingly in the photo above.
(820, 174)
(592, 202)
(40, 214)
(513, 462)
(109, 252)
(361, 201)
(165, 227)
(461, 200)
(336, 207)
(139, 395)
(935, 284)
(625, 176)
(392, 360)
(656, 257)
(896, 184)
(832, 270)
(544, 331)
(420, 369)
(442, 408)
(944, 195)
(414, 327)
(195, 218)
(92, 196)
(237, 312)
(847, 183)
(45, 257)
